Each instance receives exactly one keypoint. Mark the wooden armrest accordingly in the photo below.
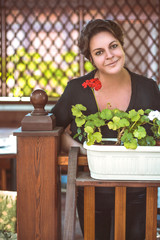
(63, 160)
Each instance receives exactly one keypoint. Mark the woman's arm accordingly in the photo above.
(67, 142)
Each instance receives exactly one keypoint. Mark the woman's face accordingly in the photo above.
(107, 53)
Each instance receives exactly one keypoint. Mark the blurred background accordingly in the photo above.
(38, 41)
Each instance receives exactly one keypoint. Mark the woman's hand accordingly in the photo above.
(67, 142)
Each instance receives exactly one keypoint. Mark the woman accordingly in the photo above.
(101, 41)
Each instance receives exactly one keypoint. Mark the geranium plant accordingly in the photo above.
(129, 125)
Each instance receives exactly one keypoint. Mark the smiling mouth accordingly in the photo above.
(112, 63)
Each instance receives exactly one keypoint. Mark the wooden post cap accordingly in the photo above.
(39, 99)
(38, 119)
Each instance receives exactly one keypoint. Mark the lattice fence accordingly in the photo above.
(38, 41)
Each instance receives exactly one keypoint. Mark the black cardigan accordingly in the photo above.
(145, 94)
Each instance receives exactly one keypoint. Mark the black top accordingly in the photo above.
(145, 94)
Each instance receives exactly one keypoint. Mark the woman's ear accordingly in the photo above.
(91, 60)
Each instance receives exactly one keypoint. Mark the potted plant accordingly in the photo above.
(134, 155)
(138, 159)
(129, 126)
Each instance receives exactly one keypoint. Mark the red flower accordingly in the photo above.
(93, 83)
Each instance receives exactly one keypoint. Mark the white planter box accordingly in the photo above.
(119, 163)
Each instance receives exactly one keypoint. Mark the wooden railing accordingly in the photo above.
(38, 183)
(83, 179)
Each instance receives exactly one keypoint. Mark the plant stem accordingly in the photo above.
(120, 133)
(95, 99)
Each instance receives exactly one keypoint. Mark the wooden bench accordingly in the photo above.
(76, 178)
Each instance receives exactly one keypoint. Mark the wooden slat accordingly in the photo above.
(151, 213)
(63, 160)
(3, 179)
(120, 213)
(70, 207)
(89, 213)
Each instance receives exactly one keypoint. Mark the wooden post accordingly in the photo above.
(38, 183)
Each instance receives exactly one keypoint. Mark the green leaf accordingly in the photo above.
(79, 130)
(88, 129)
(118, 123)
(141, 111)
(120, 114)
(116, 112)
(79, 121)
(134, 116)
(106, 114)
(112, 125)
(92, 138)
(80, 138)
(158, 122)
(140, 132)
(156, 131)
(144, 119)
(76, 110)
(127, 136)
(99, 122)
(93, 116)
(147, 141)
(124, 122)
(97, 136)
(147, 111)
(75, 136)
(116, 119)
(131, 145)
(90, 123)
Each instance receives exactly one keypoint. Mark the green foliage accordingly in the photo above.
(147, 141)
(77, 110)
(8, 235)
(140, 132)
(88, 66)
(106, 114)
(32, 71)
(69, 56)
(129, 126)
(95, 137)
(154, 117)
(156, 128)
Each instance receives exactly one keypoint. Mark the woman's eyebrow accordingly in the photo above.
(115, 41)
(97, 49)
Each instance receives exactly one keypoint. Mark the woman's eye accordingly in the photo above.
(114, 46)
(99, 53)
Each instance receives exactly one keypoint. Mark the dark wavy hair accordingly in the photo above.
(95, 26)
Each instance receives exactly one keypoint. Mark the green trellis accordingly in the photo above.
(38, 41)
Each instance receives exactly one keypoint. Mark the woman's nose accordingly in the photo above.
(109, 54)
